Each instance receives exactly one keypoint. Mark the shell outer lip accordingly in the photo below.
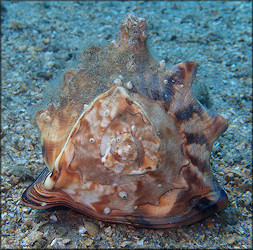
(26, 196)
(201, 210)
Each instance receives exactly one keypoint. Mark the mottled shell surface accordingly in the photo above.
(127, 140)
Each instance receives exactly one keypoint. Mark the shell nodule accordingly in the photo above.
(128, 142)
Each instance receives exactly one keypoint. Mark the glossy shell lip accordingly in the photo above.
(202, 209)
(129, 148)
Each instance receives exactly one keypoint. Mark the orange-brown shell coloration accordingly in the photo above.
(128, 142)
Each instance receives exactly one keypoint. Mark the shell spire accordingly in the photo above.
(133, 34)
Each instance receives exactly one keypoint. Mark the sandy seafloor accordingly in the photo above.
(38, 38)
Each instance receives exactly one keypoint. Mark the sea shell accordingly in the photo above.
(127, 141)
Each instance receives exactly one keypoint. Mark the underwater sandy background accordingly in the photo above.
(39, 38)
